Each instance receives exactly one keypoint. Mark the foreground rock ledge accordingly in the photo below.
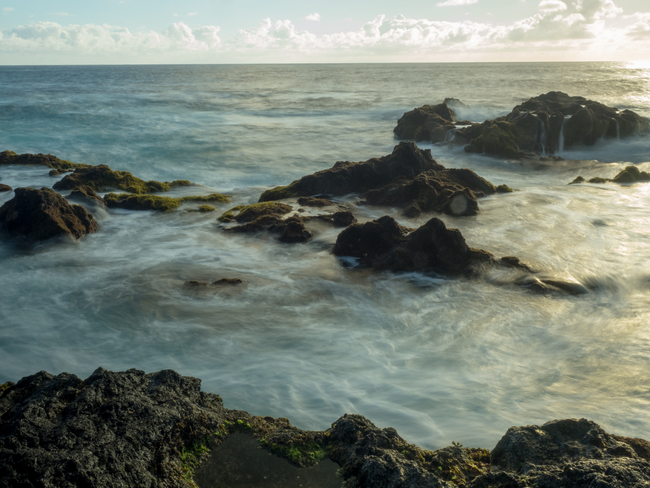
(43, 214)
(119, 429)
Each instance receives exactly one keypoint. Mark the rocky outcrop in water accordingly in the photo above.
(87, 195)
(631, 174)
(156, 430)
(408, 177)
(542, 125)
(4, 187)
(42, 214)
(11, 158)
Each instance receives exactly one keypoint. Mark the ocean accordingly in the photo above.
(440, 359)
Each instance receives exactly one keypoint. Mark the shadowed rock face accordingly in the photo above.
(384, 244)
(42, 214)
(408, 177)
(4, 187)
(541, 125)
(122, 429)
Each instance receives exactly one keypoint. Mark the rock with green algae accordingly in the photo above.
(10, 158)
(136, 429)
(102, 178)
(132, 201)
(630, 174)
(43, 214)
(408, 178)
(269, 217)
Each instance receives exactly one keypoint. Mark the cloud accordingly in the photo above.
(571, 30)
(6, 10)
(552, 6)
(455, 3)
(315, 16)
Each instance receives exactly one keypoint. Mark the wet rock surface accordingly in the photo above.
(119, 429)
(86, 194)
(10, 157)
(408, 178)
(42, 214)
(631, 174)
(4, 187)
(541, 125)
(386, 245)
(101, 178)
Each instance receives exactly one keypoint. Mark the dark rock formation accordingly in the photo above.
(154, 430)
(101, 178)
(541, 125)
(10, 157)
(228, 282)
(86, 194)
(631, 174)
(408, 177)
(4, 187)
(315, 202)
(342, 218)
(268, 216)
(42, 214)
(384, 244)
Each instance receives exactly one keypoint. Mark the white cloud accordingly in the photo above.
(455, 3)
(571, 30)
(6, 10)
(552, 6)
(315, 17)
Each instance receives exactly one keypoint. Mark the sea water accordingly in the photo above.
(305, 337)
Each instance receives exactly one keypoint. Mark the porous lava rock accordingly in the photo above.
(42, 214)
(434, 123)
(542, 125)
(4, 187)
(408, 177)
(385, 244)
(119, 429)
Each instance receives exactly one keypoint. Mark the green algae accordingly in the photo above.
(12, 158)
(278, 193)
(504, 189)
(130, 201)
(212, 197)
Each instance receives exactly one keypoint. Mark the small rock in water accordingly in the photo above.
(4, 188)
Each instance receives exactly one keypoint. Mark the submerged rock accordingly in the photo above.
(542, 125)
(130, 201)
(156, 430)
(408, 177)
(42, 214)
(86, 194)
(101, 178)
(4, 188)
(631, 174)
(270, 217)
(10, 158)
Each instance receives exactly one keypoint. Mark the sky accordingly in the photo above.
(34, 32)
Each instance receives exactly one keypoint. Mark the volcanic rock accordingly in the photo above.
(42, 214)
(10, 158)
(408, 177)
(541, 125)
(631, 174)
(4, 187)
(86, 195)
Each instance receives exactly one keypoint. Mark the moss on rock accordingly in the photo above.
(249, 213)
(10, 158)
(141, 202)
(279, 193)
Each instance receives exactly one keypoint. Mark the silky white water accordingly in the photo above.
(304, 337)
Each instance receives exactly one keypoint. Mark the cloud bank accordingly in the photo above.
(572, 30)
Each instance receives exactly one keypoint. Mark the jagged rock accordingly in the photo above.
(10, 157)
(268, 216)
(87, 195)
(385, 244)
(118, 429)
(433, 123)
(342, 218)
(4, 188)
(42, 214)
(408, 177)
(228, 282)
(541, 125)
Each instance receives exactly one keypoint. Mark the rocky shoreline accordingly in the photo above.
(119, 429)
